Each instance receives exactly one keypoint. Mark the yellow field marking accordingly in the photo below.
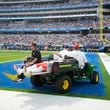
(11, 76)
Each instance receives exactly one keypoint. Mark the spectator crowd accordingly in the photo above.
(52, 39)
(50, 5)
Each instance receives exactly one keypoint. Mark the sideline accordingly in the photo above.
(29, 101)
(16, 60)
(9, 61)
(106, 61)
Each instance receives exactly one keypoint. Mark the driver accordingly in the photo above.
(29, 61)
(35, 56)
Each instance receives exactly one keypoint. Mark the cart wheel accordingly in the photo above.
(94, 78)
(36, 80)
(63, 84)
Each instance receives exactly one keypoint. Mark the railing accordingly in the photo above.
(33, 30)
(49, 8)
(47, 17)
(28, 1)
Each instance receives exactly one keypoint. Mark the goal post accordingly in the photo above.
(101, 19)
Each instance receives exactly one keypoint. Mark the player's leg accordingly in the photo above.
(20, 73)
(37, 68)
(18, 70)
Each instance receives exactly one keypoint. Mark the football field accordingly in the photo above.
(79, 89)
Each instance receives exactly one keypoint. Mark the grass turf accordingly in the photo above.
(108, 54)
(106, 78)
(8, 55)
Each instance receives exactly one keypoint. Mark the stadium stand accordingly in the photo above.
(46, 21)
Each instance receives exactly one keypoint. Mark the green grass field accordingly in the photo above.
(7, 55)
(108, 54)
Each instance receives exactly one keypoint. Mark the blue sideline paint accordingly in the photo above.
(79, 87)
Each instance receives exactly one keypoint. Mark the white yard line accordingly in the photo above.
(9, 61)
(15, 60)
(106, 61)
(28, 101)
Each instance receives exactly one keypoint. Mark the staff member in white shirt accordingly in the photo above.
(78, 55)
(61, 55)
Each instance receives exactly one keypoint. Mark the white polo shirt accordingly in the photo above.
(79, 56)
(62, 53)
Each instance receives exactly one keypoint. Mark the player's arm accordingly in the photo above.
(33, 61)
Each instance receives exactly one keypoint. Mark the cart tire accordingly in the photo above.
(63, 84)
(94, 78)
(36, 80)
